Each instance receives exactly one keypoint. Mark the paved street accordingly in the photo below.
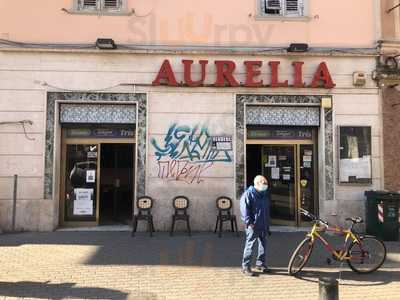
(112, 265)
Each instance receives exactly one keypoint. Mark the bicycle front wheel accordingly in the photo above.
(300, 256)
(367, 255)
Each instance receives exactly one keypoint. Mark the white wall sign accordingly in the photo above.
(222, 142)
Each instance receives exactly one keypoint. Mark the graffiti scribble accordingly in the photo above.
(187, 153)
(182, 170)
(193, 144)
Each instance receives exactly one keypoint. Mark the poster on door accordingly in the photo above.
(275, 173)
(90, 176)
(271, 161)
(83, 203)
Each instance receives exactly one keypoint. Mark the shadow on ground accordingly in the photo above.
(46, 290)
(202, 249)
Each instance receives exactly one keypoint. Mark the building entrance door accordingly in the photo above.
(97, 176)
(291, 169)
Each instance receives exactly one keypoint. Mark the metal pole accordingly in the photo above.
(14, 212)
(328, 289)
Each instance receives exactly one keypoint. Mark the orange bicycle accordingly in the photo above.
(363, 253)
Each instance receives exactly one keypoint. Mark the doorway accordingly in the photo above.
(97, 175)
(291, 168)
(116, 189)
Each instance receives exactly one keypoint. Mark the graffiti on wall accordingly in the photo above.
(186, 153)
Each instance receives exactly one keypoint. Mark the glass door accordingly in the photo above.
(291, 171)
(80, 184)
(279, 166)
(307, 187)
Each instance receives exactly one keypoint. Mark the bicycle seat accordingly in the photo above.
(355, 220)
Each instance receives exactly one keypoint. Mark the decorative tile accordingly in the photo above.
(98, 113)
(71, 97)
(282, 115)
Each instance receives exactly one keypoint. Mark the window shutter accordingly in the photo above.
(88, 4)
(294, 7)
(273, 4)
(112, 4)
(273, 7)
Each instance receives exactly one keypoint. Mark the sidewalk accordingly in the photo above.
(112, 265)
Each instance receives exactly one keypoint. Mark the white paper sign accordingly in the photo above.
(275, 173)
(272, 161)
(83, 204)
(83, 194)
(286, 176)
(91, 176)
(83, 208)
(356, 167)
(307, 158)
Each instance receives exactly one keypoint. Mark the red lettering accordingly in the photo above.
(298, 74)
(188, 71)
(252, 70)
(225, 70)
(274, 75)
(166, 74)
(322, 77)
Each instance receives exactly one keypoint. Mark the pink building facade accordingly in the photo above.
(193, 99)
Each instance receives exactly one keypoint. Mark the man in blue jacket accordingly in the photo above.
(254, 208)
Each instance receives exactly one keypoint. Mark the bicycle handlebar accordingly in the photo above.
(313, 217)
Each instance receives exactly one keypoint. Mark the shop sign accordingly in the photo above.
(280, 134)
(119, 133)
(225, 75)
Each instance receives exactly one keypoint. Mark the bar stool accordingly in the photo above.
(181, 204)
(224, 206)
(144, 205)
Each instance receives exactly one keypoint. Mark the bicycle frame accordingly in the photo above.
(340, 255)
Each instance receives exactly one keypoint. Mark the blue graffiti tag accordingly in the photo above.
(193, 144)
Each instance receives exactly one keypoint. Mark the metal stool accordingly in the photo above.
(181, 204)
(144, 205)
(224, 205)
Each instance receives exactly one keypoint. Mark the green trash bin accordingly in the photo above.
(382, 214)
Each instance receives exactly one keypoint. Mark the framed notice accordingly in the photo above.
(355, 163)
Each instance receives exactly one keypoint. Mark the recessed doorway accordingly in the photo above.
(116, 189)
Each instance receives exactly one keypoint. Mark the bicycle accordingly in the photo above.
(364, 254)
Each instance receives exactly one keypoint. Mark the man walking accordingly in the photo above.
(254, 208)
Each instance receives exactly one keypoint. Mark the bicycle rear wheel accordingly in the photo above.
(300, 256)
(367, 256)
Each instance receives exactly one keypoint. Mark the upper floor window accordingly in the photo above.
(282, 8)
(100, 5)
